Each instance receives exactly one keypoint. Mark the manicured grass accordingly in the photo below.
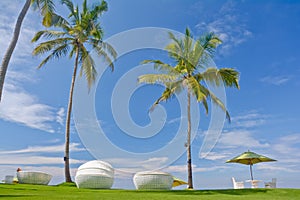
(69, 191)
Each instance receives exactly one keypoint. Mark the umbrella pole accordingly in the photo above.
(251, 172)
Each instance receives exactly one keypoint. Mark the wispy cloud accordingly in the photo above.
(229, 25)
(288, 145)
(249, 120)
(149, 164)
(34, 160)
(215, 155)
(276, 80)
(74, 147)
(60, 116)
(21, 107)
(271, 167)
(183, 168)
(175, 120)
(240, 138)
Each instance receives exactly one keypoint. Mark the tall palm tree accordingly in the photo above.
(80, 32)
(190, 73)
(47, 10)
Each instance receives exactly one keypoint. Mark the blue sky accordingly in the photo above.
(259, 40)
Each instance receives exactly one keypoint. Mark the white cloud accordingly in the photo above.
(249, 120)
(153, 163)
(21, 107)
(288, 146)
(229, 25)
(60, 116)
(175, 120)
(33, 160)
(183, 168)
(45, 149)
(271, 167)
(276, 80)
(240, 138)
(215, 155)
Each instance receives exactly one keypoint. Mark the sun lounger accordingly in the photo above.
(29, 177)
(153, 180)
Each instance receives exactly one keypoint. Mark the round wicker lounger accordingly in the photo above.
(153, 180)
(95, 174)
(31, 177)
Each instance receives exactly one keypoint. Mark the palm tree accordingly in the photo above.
(190, 73)
(47, 10)
(81, 31)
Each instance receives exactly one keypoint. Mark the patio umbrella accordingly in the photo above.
(249, 158)
(178, 182)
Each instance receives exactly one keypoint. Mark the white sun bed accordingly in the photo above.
(95, 174)
(32, 177)
(153, 180)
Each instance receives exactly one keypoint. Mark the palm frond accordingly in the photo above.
(110, 49)
(98, 9)
(73, 11)
(176, 48)
(188, 42)
(102, 53)
(45, 47)
(47, 8)
(195, 87)
(167, 93)
(73, 50)
(58, 21)
(211, 75)
(217, 102)
(196, 54)
(56, 53)
(88, 69)
(228, 76)
(156, 78)
(47, 34)
(175, 86)
(209, 42)
(162, 67)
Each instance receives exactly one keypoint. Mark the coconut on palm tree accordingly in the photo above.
(47, 9)
(76, 37)
(190, 72)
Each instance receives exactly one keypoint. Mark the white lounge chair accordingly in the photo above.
(271, 184)
(237, 185)
(95, 174)
(153, 180)
(9, 179)
(38, 178)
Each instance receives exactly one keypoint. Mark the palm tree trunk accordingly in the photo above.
(189, 153)
(67, 143)
(12, 45)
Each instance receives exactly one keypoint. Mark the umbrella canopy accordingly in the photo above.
(178, 182)
(249, 158)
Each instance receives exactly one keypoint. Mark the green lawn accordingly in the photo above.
(69, 191)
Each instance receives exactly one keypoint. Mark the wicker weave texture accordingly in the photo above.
(95, 174)
(96, 181)
(38, 178)
(153, 181)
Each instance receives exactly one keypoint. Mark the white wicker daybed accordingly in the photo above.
(29, 177)
(95, 174)
(153, 180)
